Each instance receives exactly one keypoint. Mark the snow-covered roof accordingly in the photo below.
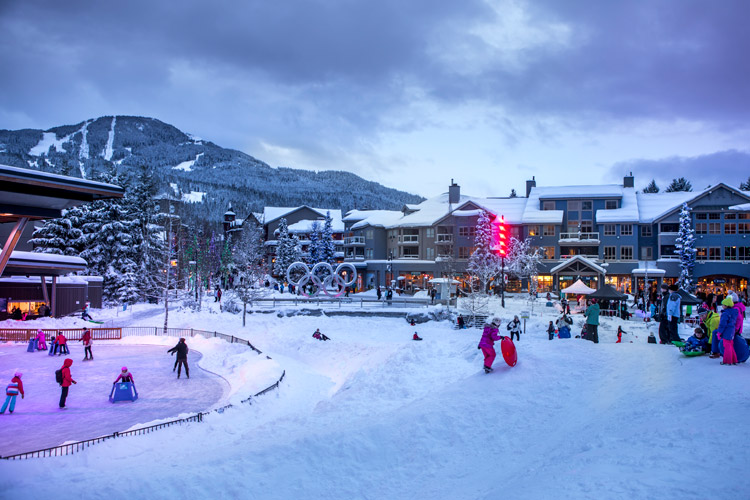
(652, 206)
(743, 207)
(19, 256)
(578, 258)
(375, 218)
(628, 211)
(272, 213)
(305, 226)
(429, 211)
(467, 213)
(533, 214)
(511, 209)
(572, 192)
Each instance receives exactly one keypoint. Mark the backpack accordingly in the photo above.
(58, 376)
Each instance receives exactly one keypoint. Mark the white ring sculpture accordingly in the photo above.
(312, 276)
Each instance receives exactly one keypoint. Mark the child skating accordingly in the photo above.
(11, 393)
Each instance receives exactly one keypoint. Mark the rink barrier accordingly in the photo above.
(71, 448)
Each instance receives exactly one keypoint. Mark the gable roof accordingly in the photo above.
(271, 214)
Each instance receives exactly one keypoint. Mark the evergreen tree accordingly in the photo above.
(685, 248)
(745, 186)
(484, 264)
(250, 258)
(287, 250)
(59, 236)
(680, 184)
(316, 242)
(328, 246)
(651, 188)
(513, 193)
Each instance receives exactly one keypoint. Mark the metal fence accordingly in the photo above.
(70, 448)
(346, 302)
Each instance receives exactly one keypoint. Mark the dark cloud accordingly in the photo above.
(731, 167)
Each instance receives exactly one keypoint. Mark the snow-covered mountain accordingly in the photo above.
(201, 171)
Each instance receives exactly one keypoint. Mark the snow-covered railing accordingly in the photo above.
(70, 448)
(579, 236)
(345, 301)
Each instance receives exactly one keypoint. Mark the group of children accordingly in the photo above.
(720, 334)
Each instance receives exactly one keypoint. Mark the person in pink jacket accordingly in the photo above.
(487, 344)
(41, 341)
(740, 313)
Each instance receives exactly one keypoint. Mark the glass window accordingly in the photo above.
(574, 205)
(714, 216)
(548, 205)
(669, 227)
(429, 232)
(549, 230)
(467, 231)
(626, 253)
(701, 253)
(368, 253)
(714, 228)
(701, 228)
(701, 216)
(586, 205)
(668, 251)
(464, 252)
(714, 253)
(647, 253)
(626, 229)
(430, 253)
(743, 227)
(743, 216)
(549, 253)
(533, 230)
(646, 231)
(610, 204)
(730, 253)
(609, 230)
(730, 228)
(610, 253)
(730, 216)
(369, 234)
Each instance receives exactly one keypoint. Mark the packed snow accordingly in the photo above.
(187, 166)
(373, 414)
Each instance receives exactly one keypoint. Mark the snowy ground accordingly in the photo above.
(372, 414)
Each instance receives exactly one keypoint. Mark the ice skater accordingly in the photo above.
(61, 343)
(86, 339)
(125, 376)
(41, 341)
(182, 351)
(65, 380)
(487, 344)
(12, 391)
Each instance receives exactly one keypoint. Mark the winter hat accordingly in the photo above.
(703, 309)
(496, 321)
(673, 287)
(727, 302)
(124, 368)
(735, 297)
(18, 374)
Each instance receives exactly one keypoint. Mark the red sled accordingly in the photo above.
(509, 351)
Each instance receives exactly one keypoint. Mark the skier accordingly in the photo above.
(551, 330)
(416, 337)
(515, 328)
(86, 339)
(124, 376)
(487, 343)
(12, 391)
(182, 351)
(592, 322)
(727, 323)
(67, 379)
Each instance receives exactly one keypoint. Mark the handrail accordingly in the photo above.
(70, 448)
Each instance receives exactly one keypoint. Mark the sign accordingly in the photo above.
(525, 315)
(719, 281)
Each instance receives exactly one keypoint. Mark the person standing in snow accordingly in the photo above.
(67, 379)
(182, 352)
(515, 328)
(563, 326)
(551, 330)
(674, 310)
(725, 331)
(741, 308)
(86, 339)
(379, 293)
(619, 334)
(487, 344)
(11, 393)
(592, 321)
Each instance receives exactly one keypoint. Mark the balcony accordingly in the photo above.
(444, 238)
(587, 256)
(579, 238)
(408, 239)
(355, 257)
(354, 240)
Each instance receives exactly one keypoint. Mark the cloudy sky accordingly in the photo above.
(410, 93)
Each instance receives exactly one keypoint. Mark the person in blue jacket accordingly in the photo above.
(727, 324)
(697, 342)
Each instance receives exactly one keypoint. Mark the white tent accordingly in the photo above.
(578, 288)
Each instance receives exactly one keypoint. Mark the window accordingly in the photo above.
(714, 253)
(549, 230)
(515, 232)
(574, 205)
(668, 250)
(368, 253)
(464, 252)
(586, 205)
(743, 253)
(369, 234)
(430, 253)
(701, 228)
(701, 253)
(548, 253)
(701, 216)
(730, 253)
(626, 229)
(730, 216)
(647, 253)
(610, 204)
(548, 205)
(714, 216)
(609, 230)
(730, 228)
(714, 228)
(533, 230)
(669, 227)
(646, 231)
(743, 216)
(467, 231)
(610, 253)
(743, 228)
(429, 232)
(626, 253)
(410, 252)
(587, 226)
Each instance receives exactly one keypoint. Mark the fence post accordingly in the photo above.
(232, 339)
(155, 331)
(191, 333)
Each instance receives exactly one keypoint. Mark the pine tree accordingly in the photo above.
(484, 265)
(685, 247)
(316, 249)
(287, 250)
(651, 188)
(59, 236)
(745, 186)
(328, 246)
(680, 184)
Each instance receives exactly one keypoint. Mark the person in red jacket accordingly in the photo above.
(416, 337)
(86, 339)
(62, 343)
(67, 379)
(12, 391)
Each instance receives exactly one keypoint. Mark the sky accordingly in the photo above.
(410, 94)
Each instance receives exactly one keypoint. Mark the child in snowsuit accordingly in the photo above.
(515, 328)
(696, 342)
(727, 324)
(61, 343)
(12, 391)
(86, 339)
(551, 331)
(67, 379)
(416, 337)
(619, 334)
(182, 352)
(41, 341)
(124, 376)
(487, 344)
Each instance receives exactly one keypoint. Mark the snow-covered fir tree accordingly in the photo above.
(484, 264)
(316, 241)
(523, 261)
(328, 246)
(680, 184)
(745, 186)
(60, 236)
(685, 248)
(651, 188)
(287, 250)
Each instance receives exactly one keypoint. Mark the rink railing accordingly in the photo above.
(70, 448)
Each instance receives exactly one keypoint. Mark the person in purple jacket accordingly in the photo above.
(487, 344)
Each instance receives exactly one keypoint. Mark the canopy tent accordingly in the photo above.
(688, 300)
(578, 288)
(606, 292)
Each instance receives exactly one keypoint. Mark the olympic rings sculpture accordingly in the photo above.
(333, 277)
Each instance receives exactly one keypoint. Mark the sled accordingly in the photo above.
(95, 322)
(678, 343)
(123, 391)
(692, 354)
(509, 351)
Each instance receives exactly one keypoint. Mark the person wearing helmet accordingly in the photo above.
(487, 344)
(124, 376)
(12, 391)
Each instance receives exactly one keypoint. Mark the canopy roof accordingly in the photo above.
(688, 300)
(607, 292)
(578, 288)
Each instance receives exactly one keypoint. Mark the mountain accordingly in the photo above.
(208, 176)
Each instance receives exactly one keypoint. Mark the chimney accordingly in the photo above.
(628, 181)
(530, 184)
(454, 193)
